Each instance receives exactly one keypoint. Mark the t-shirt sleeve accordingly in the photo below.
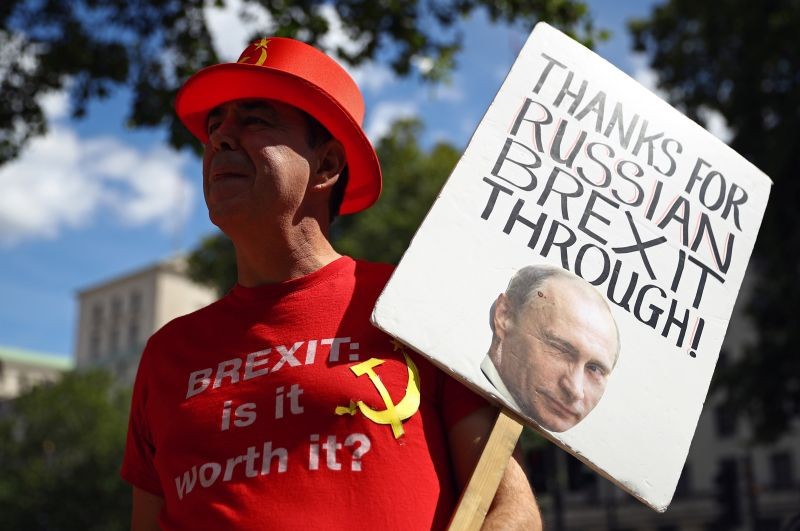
(138, 468)
(458, 401)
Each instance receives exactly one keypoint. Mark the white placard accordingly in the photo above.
(577, 166)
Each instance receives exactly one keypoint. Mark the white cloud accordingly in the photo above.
(423, 64)
(645, 75)
(452, 92)
(62, 180)
(17, 46)
(143, 187)
(384, 114)
(337, 37)
(232, 26)
(716, 124)
(457, 136)
(370, 76)
(55, 105)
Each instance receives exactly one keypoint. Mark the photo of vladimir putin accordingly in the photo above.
(555, 344)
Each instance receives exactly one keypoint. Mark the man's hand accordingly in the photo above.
(514, 506)
(146, 506)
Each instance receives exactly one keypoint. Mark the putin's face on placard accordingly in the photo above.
(555, 352)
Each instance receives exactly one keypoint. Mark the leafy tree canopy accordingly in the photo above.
(213, 263)
(412, 179)
(61, 447)
(93, 47)
(742, 59)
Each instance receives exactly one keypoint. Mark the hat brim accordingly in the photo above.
(218, 84)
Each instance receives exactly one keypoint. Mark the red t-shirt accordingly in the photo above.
(281, 407)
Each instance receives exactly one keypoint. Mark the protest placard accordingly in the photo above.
(582, 261)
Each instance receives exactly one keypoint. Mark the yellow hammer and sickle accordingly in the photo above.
(394, 414)
(261, 45)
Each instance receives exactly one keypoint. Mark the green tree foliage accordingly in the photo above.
(60, 450)
(150, 46)
(411, 179)
(213, 263)
(742, 59)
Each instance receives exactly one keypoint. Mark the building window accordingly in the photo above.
(95, 326)
(725, 421)
(782, 473)
(684, 487)
(114, 341)
(722, 360)
(726, 493)
(135, 302)
(97, 316)
(23, 382)
(539, 465)
(770, 524)
(581, 479)
(134, 305)
(116, 318)
(133, 334)
(94, 346)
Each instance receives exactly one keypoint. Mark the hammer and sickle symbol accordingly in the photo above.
(261, 45)
(394, 414)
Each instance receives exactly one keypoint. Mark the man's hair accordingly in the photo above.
(527, 281)
(319, 134)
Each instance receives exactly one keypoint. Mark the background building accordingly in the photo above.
(117, 316)
(22, 369)
(726, 485)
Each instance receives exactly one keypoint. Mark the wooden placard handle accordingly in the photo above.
(482, 485)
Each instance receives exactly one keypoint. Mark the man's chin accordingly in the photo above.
(225, 214)
(553, 422)
(559, 428)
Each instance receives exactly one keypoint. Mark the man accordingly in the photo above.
(555, 344)
(279, 406)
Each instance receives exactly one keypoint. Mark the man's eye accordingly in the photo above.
(596, 369)
(254, 120)
(212, 126)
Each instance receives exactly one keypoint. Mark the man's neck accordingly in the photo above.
(490, 371)
(299, 251)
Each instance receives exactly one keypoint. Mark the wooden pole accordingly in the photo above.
(482, 485)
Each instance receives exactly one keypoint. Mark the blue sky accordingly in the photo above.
(93, 200)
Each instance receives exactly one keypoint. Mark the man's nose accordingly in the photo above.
(572, 384)
(225, 136)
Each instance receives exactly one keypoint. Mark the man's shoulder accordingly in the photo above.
(190, 321)
(371, 277)
(375, 271)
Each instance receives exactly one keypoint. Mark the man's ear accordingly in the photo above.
(331, 157)
(501, 321)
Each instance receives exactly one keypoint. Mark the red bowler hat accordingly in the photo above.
(298, 74)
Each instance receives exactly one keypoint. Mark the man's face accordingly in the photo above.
(557, 352)
(257, 163)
